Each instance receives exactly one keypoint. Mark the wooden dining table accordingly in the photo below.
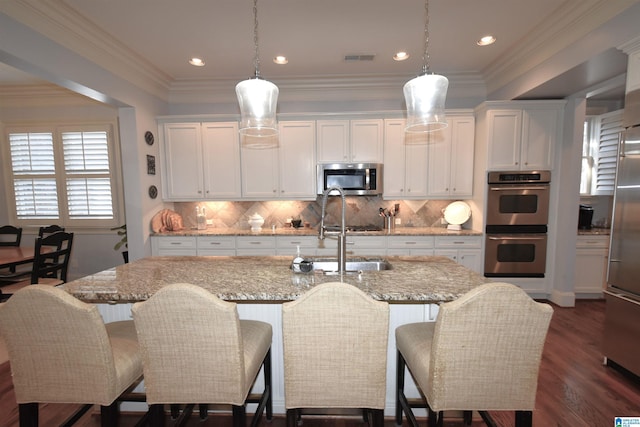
(11, 256)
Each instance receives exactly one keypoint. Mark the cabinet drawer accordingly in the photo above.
(376, 242)
(176, 242)
(292, 242)
(216, 242)
(592, 242)
(251, 242)
(407, 242)
(458, 242)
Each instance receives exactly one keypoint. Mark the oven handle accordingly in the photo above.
(511, 187)
(515, 238)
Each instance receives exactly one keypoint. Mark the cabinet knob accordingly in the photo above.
(275, 191)
(199, 191)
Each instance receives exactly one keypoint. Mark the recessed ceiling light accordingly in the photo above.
(486, 40)
(281, 60)
(400, 56)
(198, 62)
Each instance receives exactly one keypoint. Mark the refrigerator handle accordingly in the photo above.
(622, 145)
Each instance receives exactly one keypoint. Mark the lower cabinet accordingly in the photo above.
(465, 250)
(591, 266)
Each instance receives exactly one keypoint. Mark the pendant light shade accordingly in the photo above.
(425, 95)
(258, 99)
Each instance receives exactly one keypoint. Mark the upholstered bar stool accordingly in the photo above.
(335, 352)
(61, 352)
(195, 350)
(482, 353)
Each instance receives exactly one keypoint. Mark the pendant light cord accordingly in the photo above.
(425, 57)
(256, 57)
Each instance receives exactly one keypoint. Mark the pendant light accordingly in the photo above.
(425, 95)
(258, 99)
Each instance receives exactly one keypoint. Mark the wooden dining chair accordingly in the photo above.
(45, 231)
(50, 263)
(10, 235)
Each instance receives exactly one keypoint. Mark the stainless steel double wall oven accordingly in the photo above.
(516, 223)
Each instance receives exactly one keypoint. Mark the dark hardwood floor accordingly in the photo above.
(574, 388)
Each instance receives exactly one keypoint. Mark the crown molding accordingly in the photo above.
(57, 21)
(560, 31)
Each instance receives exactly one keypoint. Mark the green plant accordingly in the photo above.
(122, 232)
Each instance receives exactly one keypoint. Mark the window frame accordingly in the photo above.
(57, 129)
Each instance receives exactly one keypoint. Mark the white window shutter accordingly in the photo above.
(610, 127)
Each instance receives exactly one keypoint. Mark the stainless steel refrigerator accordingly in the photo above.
(622, 318)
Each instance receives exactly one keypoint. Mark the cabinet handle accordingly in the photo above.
(199, 191)
(410, 243)
(214, 243)
(176, 243)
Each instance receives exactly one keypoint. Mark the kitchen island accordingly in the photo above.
(414, 287)
(422, 279)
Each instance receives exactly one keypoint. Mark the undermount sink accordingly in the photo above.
(353, 265)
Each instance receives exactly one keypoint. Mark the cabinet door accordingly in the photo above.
(366, 141)
(590, 271)
(173, 245)
(297, 160)
(405, 162)
(504, 135)
(260, 172)
(462, 152)
(472, 259)
(183, 162)
(332, 141)
(439, 171)
(221, 156)
(539, 128)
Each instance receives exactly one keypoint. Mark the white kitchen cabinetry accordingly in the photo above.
(216, 245)
(255, 245)
(405, 163)
(357, 141)
(591, 265)
(410, 245)
(289, 245)
(173, 245)
(366, 245)
(201, 161)
(450, 171)
(521, 135)
(465, 250)
(283, 172)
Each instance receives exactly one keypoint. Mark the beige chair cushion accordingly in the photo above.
(61, 351)
(335, 349)
(482, 353)
(195, 349)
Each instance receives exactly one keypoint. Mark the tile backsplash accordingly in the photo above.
(361, 210)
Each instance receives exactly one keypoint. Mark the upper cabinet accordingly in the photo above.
(405, 163)
(286, 171)
(521, 135)
(429, 165)
(451, 153)
(201, 161)
(356, 141)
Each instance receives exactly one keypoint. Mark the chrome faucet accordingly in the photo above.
(342, 234)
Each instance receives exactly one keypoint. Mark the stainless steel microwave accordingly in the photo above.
(356, 179)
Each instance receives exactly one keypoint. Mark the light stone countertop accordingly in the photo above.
(306, 231)
(422, 279)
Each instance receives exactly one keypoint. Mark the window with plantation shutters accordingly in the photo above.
(64, 175)
(600, 153)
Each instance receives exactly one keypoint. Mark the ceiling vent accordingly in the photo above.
(354, 58)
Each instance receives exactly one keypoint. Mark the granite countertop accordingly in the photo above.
(423, 279)
(308, 231)
(594, 232)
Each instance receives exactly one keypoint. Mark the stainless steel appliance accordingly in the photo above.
(356, 179)
(518, 198)
(516, 230)
(622, 316)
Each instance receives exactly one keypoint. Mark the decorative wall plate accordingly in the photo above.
(153, 192)
(148, 137)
